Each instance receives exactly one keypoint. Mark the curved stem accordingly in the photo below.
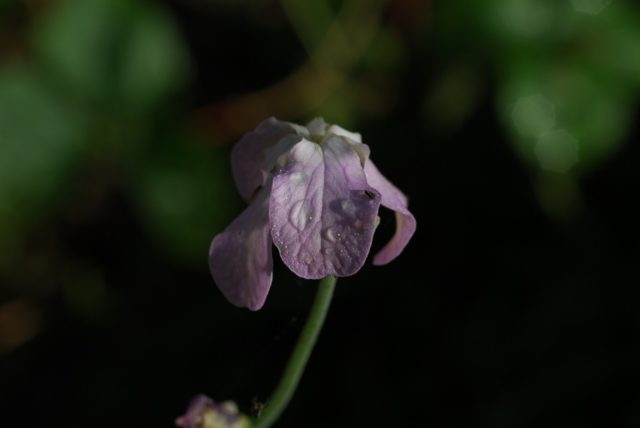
(298, 360)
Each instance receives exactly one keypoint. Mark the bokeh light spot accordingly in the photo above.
(533, 115)
(557, 151)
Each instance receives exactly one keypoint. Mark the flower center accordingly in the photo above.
(317, 130)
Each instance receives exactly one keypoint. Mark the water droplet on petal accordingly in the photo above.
(299, 214)
(307, 259)
(298, 177)
(283, 198)
(348, 206)
(330, 234)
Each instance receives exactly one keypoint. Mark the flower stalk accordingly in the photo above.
(300, 356)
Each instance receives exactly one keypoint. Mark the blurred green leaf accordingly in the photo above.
(154, 61)
(612, 43)
(341, 107)
(40, 138)
(185, 194)
(386, 53)
(126, 55)
(310, 19)
(524, 21)
(570, 101)
(77, 41)
(566, 79)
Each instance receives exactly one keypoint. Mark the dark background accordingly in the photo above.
(511, 125)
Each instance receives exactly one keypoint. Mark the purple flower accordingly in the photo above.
(203, 412)
(314, 193)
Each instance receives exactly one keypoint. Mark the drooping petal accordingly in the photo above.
(361, 149)
(322, 210)
(394, 199)
(251, 157)
(240, 257)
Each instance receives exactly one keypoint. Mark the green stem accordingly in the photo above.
(298, 360)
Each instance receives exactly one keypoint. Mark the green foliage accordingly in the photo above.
(41, 139)
(115, 53)
(107, 69)
(185, 194)
(154, 62)
(78, 42)
(311, 20)
(561, 66)
(595, 113)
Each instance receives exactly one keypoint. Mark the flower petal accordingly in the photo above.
(203, 412)
(353, 138)
(356, 137)
(240, 257)
(197, 407)
(251, 158)
(322, 210)
(394, 199)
